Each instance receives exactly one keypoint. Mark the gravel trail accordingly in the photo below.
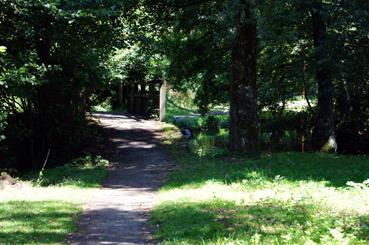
(118, 213)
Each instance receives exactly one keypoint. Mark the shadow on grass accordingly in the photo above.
(222, 221)
(73, 175)
(334, 170)
(43, 222)
(79, 177)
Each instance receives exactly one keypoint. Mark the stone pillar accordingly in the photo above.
(162, 101)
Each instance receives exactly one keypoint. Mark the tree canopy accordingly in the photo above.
(59, 57)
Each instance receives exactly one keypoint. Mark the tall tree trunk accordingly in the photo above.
(244, 124)
(120, 94)
(324, 138)
(82, 101)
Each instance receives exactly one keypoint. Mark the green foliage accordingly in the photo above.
(128, 65)
(56, 62)
(209, 146)
(83, 172)
(289, 120)
(196, 123)
(179, 104)
(60, 58)
(104, 106)
(197, 47)
(196, 38)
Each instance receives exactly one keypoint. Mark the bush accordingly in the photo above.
(210, 146)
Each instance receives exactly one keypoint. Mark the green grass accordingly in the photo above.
(293, 168)
(175, 109)
(46, 222)
(286, 198)
(45, 212)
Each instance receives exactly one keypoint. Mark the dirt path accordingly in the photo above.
(118, 214)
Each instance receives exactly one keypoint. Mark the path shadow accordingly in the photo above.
(119, 214)
(131, 223)
(137, 150)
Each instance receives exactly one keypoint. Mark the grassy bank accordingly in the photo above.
(286, 198)
(44, 209)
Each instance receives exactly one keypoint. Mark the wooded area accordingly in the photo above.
(59, 58)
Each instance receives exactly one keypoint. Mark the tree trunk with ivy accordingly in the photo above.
(244, 124)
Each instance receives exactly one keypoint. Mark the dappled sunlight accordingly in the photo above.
(269, 221)
(36, 222)
(119, 209)
(286, 198)
(298, 104)
(333, 200)
(137, 145)
(267, 99)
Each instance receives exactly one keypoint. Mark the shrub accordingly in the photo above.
(210, 146)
